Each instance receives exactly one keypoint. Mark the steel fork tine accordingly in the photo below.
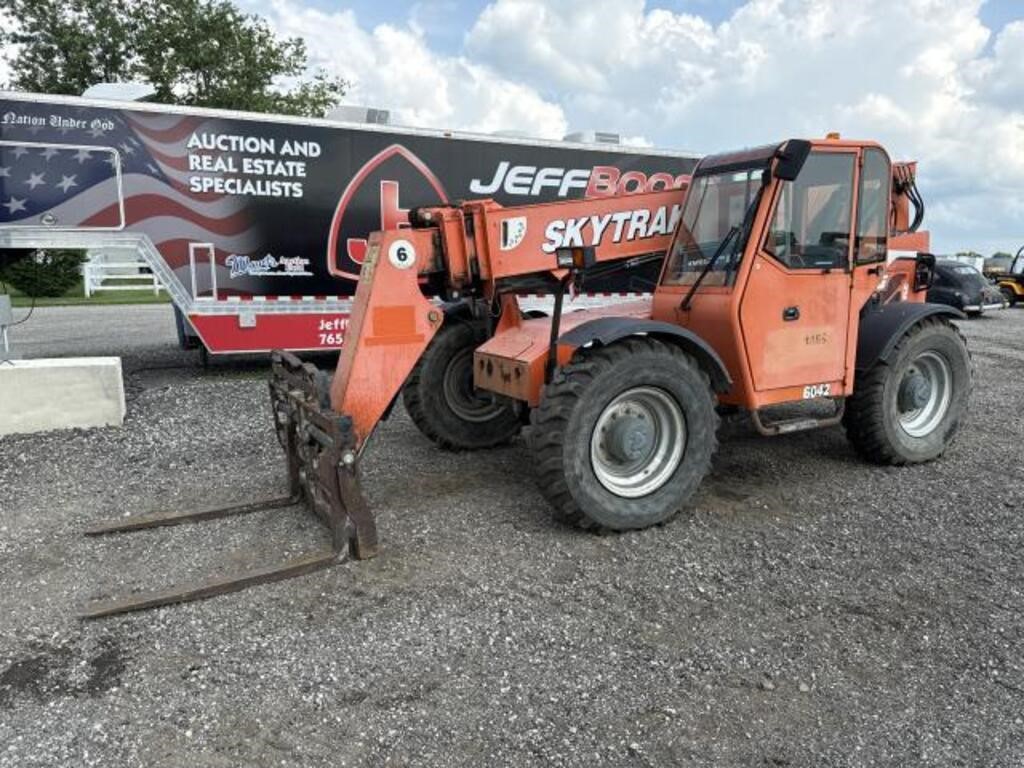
(162, 519)
(201, 590)
(323, 469)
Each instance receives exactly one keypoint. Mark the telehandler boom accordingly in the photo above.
(778, 286)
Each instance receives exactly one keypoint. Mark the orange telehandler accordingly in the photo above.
(777, 287)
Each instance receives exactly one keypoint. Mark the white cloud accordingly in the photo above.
(391, 66)
(999, 78)
(913, 75)
(919, 76)
(924, 77)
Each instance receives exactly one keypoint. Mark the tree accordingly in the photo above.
(44, 273)
(196, 52)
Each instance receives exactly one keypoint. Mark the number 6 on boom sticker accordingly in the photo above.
(401, 254)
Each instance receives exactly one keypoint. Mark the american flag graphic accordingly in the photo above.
(35, 181)
(79, 187)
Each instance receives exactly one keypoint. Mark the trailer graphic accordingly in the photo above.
(256, 225)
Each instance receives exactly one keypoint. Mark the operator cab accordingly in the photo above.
(811, 224)
(766, 263)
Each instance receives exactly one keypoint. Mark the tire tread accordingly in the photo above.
(864, 416)
(549, 421)
(412, 398)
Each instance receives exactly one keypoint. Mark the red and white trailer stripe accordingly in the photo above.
(235, 324)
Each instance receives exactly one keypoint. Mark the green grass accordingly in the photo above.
(76, 296)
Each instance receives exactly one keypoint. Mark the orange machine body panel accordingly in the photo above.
(512, 362)
(919, 242)
(392, 323)
(771, 360)
(511, 242)
(785, 329)
(782, 330)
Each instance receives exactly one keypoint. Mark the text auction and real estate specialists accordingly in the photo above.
(248, 169)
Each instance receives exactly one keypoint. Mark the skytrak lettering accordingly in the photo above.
(599, 181)
(638, 224)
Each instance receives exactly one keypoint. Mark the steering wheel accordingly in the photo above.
(794, 258)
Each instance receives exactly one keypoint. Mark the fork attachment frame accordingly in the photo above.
(322, 464)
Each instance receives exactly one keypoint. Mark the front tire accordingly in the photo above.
(441, 401)
(1009, 294)
(908, 410)
(623, 435)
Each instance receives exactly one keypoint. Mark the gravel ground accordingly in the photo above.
(808, 610)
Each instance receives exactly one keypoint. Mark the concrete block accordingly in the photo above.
(61, 393)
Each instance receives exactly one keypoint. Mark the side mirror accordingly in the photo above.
(790, 159)
(924, 271)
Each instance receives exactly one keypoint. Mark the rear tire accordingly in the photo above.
(623, 435)
(908, 410)
(442, 402)
(1009, 294)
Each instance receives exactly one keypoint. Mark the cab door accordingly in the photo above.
(795, 306)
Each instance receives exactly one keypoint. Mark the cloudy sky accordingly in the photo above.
(941, 81)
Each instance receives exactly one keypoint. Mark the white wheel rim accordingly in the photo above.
(920, 414)
(638, 442)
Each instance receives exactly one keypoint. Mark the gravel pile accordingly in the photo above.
(808, 610)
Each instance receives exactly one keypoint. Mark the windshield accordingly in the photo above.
(967, 275)
(715, 204)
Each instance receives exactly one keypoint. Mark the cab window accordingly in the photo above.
(873, 207)
(714, 218)
(811, 225)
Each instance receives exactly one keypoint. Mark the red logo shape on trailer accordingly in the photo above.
(345, 262)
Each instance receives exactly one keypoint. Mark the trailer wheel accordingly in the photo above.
(908, 410)
(624, 435)
(442, 402)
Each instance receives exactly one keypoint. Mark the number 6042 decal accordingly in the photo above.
(817, 390)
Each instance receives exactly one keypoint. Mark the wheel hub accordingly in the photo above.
(925, 394)
(630, 437)
(638, 442)
(915, 391)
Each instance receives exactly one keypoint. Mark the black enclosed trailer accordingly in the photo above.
(256, 224)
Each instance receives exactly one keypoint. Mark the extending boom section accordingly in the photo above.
(479, 250)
